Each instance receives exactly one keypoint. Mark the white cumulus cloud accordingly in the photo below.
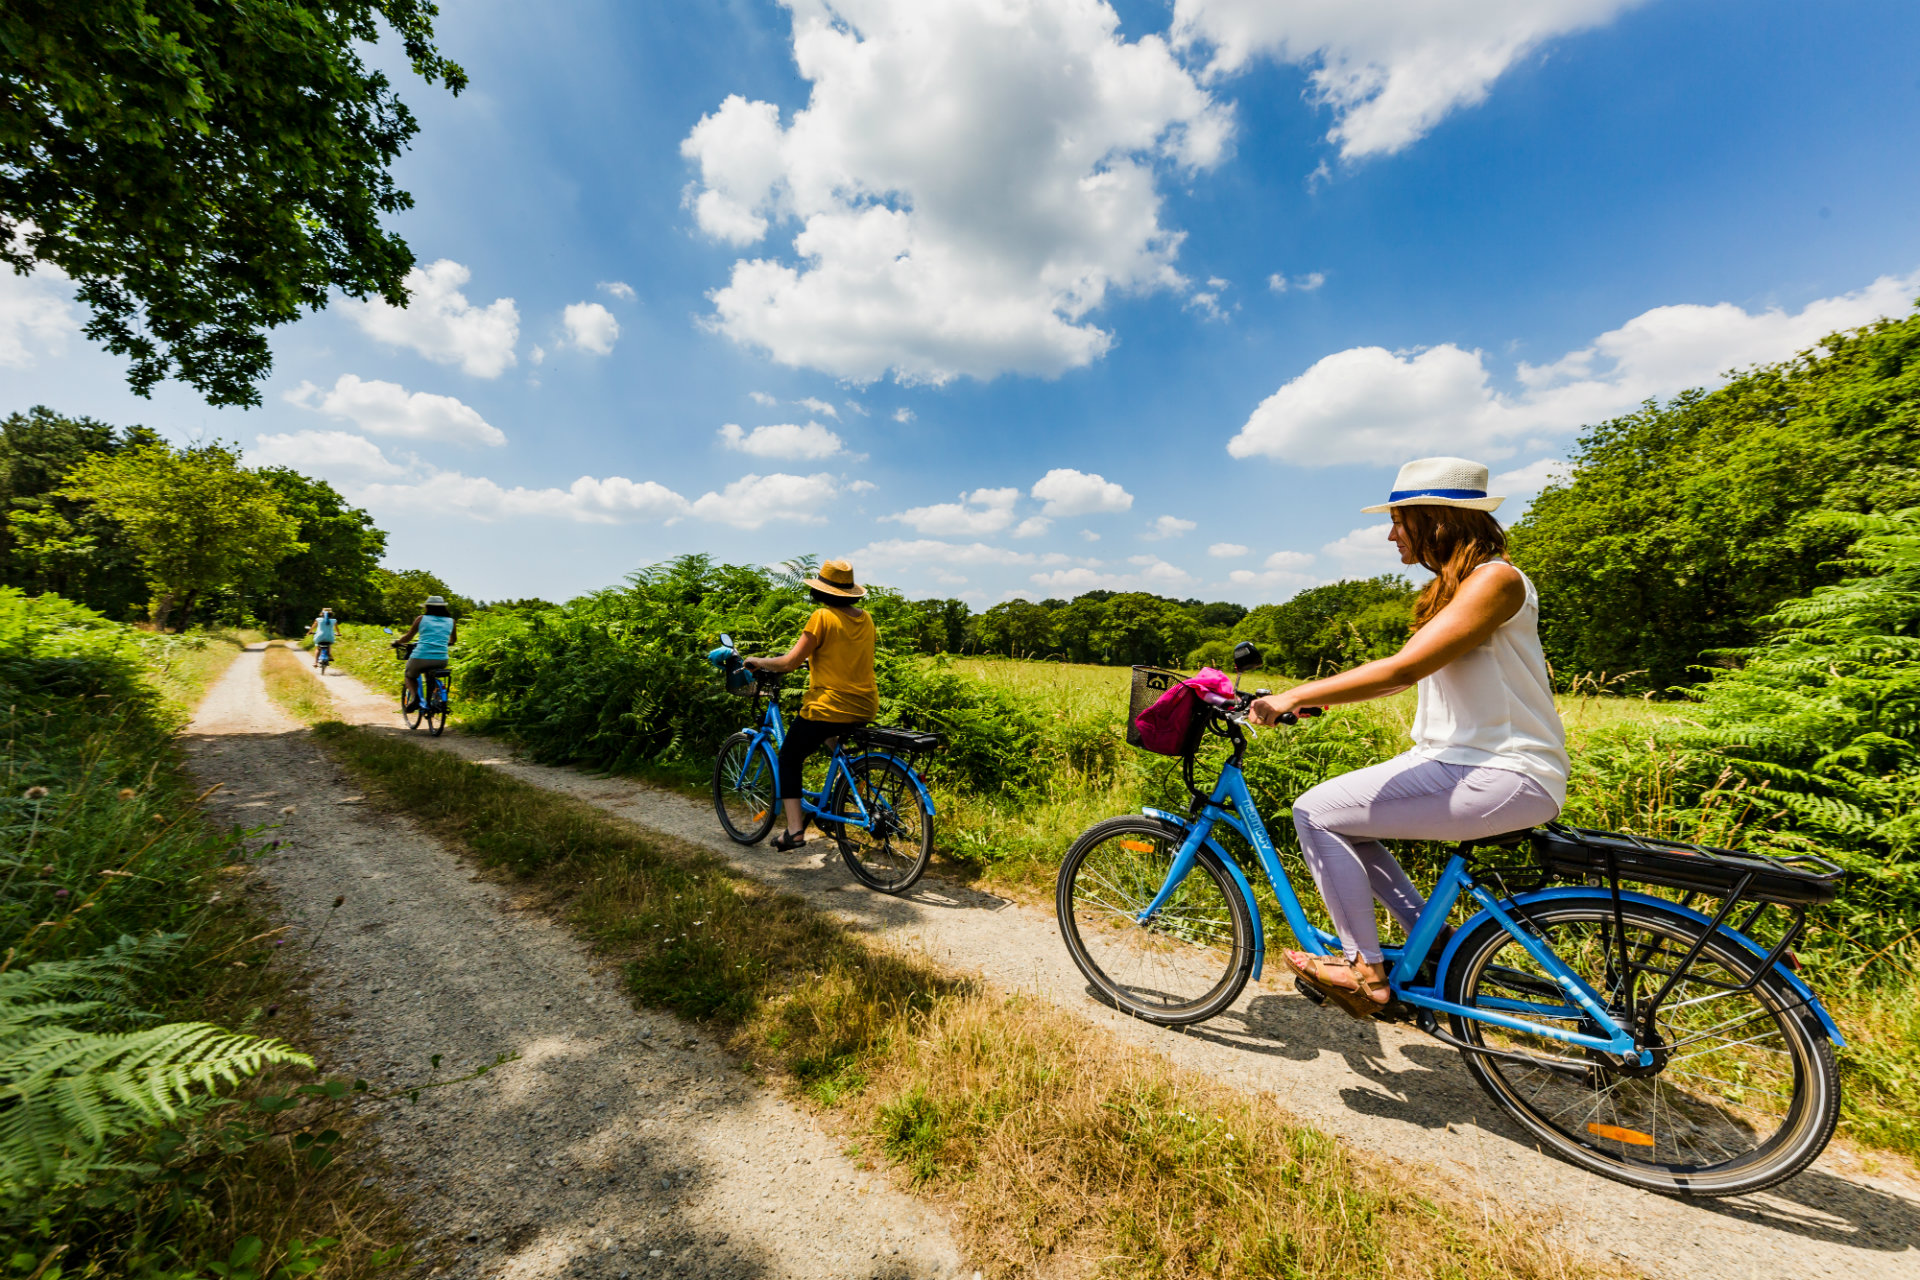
(591, 327)
(1389, 69)
(903, 415)
(1368, 404)
(1365, 553)
(967, 182)
(782, 440)
(978, 513)
(617, 289)
(439, 323)
(1522, 483)
(1149, 573)
(1168, 527)
(761, 397)
(818, 406)
(388, 409)
(1228, 550)
(1281, 570)
(35, 316)
(1078, 493)
(588, 500)
(752, 501)
(902, 553)
(338, 454)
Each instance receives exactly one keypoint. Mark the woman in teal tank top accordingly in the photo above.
(433, 631)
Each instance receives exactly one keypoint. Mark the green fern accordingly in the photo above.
(68, 1090)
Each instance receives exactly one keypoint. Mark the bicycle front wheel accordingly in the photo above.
(411, 706)
(1742, 1093)
(891, 851)
(1184, 964)
(743, 790)
(437, 713)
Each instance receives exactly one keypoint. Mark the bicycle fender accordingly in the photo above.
(926, 797)
(1239, 880)
(1568, 892)
(763, 743)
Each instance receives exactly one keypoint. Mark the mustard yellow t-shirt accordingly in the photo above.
(840, 687)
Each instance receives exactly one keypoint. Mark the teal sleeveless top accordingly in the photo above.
(323, 630)
(432, 637)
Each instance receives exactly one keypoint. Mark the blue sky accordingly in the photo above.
(1004, 277)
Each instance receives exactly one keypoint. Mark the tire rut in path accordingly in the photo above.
(1387, 1089)
(619, 1143)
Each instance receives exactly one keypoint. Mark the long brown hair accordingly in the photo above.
(1452, 542)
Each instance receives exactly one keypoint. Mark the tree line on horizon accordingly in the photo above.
(142, 530)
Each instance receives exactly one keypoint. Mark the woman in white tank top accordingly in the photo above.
(1489, 753)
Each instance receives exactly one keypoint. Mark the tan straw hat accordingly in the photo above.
(836, 579)
(1439, 482)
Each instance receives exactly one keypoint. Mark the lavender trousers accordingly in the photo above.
(1343, 820)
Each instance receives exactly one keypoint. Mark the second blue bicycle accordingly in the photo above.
(871, 802)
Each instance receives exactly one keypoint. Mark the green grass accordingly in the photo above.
(291, 682)
(184, 667)
(1053, 1144)
(102, 835)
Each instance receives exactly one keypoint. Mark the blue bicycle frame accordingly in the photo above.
(1232, 804)
(767, 740)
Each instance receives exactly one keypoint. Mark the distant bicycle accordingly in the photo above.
(873, 802)
(426, 698)
(323, 655)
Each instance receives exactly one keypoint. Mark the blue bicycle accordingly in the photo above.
(425, 698)
(872, 801)
(1660, 1041)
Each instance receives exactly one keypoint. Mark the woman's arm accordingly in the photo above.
(410, 631)
(1485, 601)
(802, 648)
(453, 636)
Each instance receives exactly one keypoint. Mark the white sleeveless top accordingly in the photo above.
(1493, 705)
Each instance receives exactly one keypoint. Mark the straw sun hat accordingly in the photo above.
(836, 579)
(1439, 482)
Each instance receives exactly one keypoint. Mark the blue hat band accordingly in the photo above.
(1401, 495)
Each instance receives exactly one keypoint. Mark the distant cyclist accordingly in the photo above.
(837, 646)
(432, 632)
(324, 629)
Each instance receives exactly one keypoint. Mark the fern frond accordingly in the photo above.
(68, 1093)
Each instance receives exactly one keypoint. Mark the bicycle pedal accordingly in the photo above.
(1311, 992)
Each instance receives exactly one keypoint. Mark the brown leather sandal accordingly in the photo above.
(1357, 1003)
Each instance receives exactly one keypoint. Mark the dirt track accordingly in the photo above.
(620, 1143)
(1385, 1088)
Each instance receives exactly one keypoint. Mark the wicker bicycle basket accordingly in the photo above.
(1150, 685)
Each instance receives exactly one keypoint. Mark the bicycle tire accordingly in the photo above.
(1669, 1114)
(755, 803)
(891, 855)
(413, 714)
(1205, 927)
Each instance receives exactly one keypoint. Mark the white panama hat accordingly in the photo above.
(1439, 482)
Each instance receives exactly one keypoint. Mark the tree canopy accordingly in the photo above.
(1684, 524)
(195, 518)
(206, 170)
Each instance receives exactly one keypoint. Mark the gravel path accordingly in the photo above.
(1387, 1089)
(620, 1143)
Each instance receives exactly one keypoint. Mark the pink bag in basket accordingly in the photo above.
(1169, 726)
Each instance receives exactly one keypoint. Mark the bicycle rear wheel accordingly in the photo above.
(743, 790)
(438, 704)
(1186, 963)
(1743, 1092)
(891, 852)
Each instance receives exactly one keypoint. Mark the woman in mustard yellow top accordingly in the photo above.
(837, 646)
